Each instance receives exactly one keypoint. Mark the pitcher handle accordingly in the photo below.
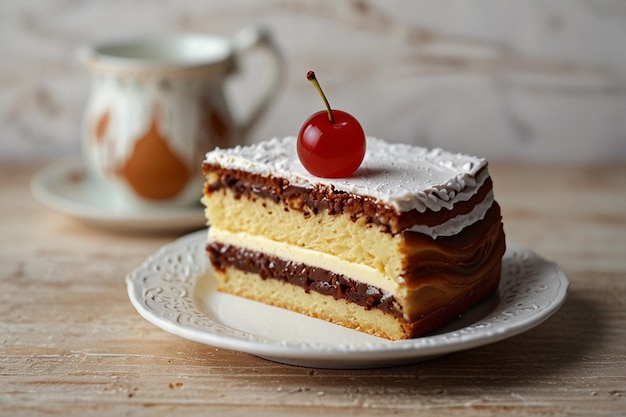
(244, 41)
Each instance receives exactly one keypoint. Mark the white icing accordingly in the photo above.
(404, 176)
(456, 224)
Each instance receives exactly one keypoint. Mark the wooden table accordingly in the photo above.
(72, 344)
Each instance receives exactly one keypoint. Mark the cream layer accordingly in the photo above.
(354, 271)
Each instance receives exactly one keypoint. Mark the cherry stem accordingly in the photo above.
(311, 77)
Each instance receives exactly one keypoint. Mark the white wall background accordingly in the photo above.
(510, 80)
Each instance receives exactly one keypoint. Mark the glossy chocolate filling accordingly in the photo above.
(310, 201)
(305, 276)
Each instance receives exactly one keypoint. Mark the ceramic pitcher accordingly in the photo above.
(158, 104)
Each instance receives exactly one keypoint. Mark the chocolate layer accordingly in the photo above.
(305, 276)
(326, 198)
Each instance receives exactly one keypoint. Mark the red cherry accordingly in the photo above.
(331, 144)
(331, 150)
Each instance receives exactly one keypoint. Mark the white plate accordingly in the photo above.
(67, 188)
(175, 290)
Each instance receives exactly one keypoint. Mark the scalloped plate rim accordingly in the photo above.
(344, 356)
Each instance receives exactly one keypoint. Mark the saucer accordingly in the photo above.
(67, 188)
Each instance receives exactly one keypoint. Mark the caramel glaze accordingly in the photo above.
(455, 258)
(439, 316)
(310, 201)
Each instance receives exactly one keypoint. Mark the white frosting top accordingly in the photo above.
(404, 176)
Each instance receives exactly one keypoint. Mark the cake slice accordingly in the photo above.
(407, 243)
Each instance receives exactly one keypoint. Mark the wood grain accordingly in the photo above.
(72, 344)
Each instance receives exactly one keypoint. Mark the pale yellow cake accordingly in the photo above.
(406, 244)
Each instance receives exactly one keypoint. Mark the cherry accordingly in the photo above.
(331, 143)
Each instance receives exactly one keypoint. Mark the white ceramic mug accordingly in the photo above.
(158, 104)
